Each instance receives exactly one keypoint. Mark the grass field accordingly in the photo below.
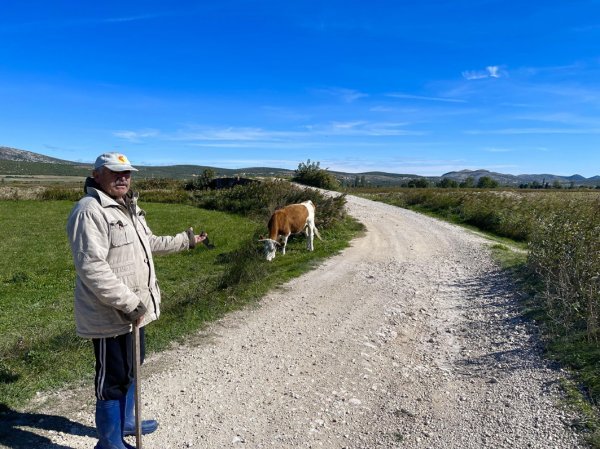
(38, 346)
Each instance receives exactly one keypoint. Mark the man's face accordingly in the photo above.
(114, 184)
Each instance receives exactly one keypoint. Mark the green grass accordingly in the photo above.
(38, 346)
(589, 421)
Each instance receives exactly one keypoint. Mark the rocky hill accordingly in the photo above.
(13, 154)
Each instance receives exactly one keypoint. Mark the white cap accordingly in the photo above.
(114, 162)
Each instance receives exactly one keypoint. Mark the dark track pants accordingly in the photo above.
(114, 364)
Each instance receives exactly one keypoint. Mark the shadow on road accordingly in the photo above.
(15, 433)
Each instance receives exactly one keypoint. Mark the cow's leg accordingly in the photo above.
(283, 243)
(310, 235)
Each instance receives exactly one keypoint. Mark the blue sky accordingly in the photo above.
(416, 86)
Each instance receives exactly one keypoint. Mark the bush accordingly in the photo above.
(486, 182)
(419, 183)
(448, 183)
(311, 174)
(61, 193)
(201, 182)
(565, 254)
(156, 184)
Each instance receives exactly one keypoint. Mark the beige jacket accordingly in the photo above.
(112, 249)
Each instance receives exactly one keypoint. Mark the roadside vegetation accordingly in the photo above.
(311, 174)
(38, 346)
(560, 271)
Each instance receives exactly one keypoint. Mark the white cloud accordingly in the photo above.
(364, 128)
(491, 71)
(498, 150)
(510, 131)
(136, 136)
(472, 75)
(131, 18)
(420, 97)
(229, 134)
(346, 95)
(382, 109)
(342, 126)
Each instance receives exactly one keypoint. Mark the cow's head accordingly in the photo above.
(270, 248)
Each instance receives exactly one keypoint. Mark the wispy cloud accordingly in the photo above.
(245, 163)
(498, 150)
(78, 23)
(383, 109)
(552, 70)
(510, 131)
(564, 118)
(491, 71)
(363, 128)
(131, 18)
(346, 95)
(136, 136)
(292, 145)
(235, 135)
(425, 98)
(285, 113)
(230, 133)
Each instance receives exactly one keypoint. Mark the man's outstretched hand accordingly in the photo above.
(195, 239)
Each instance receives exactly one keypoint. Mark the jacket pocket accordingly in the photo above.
(120, 233)
(123, 269)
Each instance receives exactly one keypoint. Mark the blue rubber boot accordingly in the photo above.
(109, 425)
(148, 425)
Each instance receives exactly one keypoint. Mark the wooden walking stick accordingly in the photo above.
(136, 377)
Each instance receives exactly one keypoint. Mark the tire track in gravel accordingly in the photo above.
(409, 338)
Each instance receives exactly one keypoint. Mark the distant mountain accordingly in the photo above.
(12, 154)
(516, 180)
(20, 162)
(27, 163)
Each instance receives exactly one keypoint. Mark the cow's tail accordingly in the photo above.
(317, 233)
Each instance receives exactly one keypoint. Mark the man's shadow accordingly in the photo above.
(14, 433)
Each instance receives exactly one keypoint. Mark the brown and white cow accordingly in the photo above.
(291, 219)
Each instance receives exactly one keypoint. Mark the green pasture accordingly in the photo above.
(38, 346)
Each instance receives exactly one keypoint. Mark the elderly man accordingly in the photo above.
(116, 286)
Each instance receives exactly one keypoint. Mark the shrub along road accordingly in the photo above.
(409, 338)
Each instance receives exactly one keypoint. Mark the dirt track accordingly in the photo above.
(408, 339)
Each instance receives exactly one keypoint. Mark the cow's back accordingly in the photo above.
(288, 220)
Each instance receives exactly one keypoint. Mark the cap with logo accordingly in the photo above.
(114, 162)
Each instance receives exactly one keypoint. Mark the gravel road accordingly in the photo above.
(410, 338)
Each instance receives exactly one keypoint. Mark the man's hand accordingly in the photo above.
(137, 314)
(196, 238)
(200, 238)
